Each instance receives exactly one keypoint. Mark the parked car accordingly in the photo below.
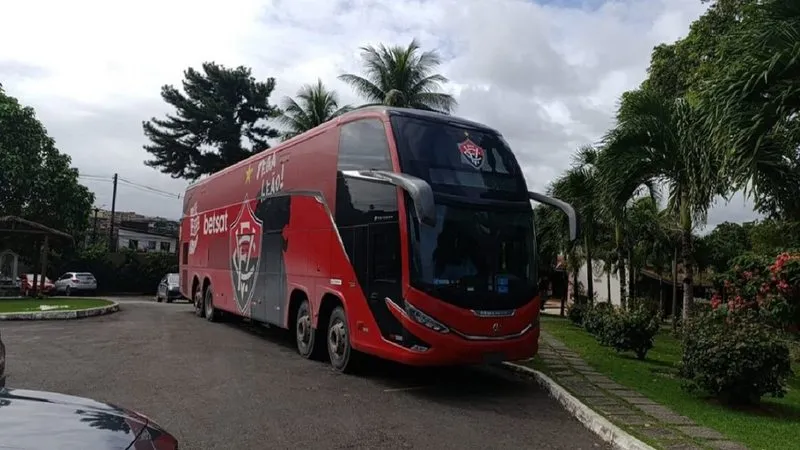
(39, 419)
(26, 284)
(72, 282)
(169, 288)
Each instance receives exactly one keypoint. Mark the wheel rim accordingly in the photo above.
(303, 330)
(198, 304)
(209, 306)
(337, 340)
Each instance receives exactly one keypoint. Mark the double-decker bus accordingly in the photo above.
(397, 233)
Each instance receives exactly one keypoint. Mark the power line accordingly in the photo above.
(132, 184)
(149, 188)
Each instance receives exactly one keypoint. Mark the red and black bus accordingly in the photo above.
(398, 233)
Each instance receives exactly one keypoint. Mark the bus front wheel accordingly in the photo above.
(343, 358)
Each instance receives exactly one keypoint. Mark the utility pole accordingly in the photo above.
(111, 242)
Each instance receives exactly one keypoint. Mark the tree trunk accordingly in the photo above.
(589, 276)
(631, 275)
(575, 285)
(686, 257)
(688, 284)
(675, 289)
(621, 267)
(608, 283)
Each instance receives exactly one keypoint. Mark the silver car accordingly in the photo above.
(72, 282)
(169, 288)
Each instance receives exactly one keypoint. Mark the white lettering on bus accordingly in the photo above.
(215, 223)
(270, 175)
(265, 166)
(194, 228)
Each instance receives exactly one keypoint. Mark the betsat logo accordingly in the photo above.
(215, 223)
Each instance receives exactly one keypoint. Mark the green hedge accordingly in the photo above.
(124, 271)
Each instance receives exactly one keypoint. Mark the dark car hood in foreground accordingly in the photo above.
(46, 420)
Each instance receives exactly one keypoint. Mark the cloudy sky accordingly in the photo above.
(546, 73)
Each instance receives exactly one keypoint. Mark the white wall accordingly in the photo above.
(143, 239)
(600, 286)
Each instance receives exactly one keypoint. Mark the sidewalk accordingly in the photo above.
(656, 424)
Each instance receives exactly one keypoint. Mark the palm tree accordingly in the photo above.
(753, 103)
(579, 187)
(314, 105)
(401, 76)
(616, 198)
(659, 140)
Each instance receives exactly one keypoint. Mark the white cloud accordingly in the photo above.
(547, 76)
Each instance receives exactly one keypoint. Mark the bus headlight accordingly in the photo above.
(424, 319)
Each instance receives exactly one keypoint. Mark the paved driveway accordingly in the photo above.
(236, 386)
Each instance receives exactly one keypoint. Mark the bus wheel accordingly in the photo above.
(211, 313)
(304, 332)
(198, 302)
(343, 357)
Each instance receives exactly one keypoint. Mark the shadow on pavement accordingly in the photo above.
(451, 385)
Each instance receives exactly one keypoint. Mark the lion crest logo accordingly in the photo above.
(245, 245)
(471, 153)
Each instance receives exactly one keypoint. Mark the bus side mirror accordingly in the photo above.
(574, 229)
(418, 189)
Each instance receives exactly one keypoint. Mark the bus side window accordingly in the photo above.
(363, 146)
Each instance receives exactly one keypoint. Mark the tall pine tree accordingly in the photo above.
(219, 121)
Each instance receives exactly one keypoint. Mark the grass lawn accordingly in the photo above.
(773, 425)
(17, 305)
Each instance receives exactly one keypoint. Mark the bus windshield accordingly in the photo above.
(476, 258)
(457, 160)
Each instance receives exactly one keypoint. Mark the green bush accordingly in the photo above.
(633, 329)
(597, 316)
(734, 356)
(576, 313)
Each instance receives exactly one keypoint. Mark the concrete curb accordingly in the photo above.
(62, 315)
(592, 420)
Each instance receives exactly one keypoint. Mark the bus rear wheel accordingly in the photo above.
(343, 358)
(305, 334)
(212, 315)
(198, 302)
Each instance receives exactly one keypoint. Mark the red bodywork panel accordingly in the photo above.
(256, 266)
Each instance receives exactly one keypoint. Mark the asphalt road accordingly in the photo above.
(237, 386)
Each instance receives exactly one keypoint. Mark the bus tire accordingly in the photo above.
(343, 357)
(212, 315)
(198, 302)
(305, 334)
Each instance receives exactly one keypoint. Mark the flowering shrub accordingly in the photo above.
(771, 287)
(734, 356)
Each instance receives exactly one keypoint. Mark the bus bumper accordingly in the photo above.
(451, 348)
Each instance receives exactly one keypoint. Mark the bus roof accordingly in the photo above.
(367, 110)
